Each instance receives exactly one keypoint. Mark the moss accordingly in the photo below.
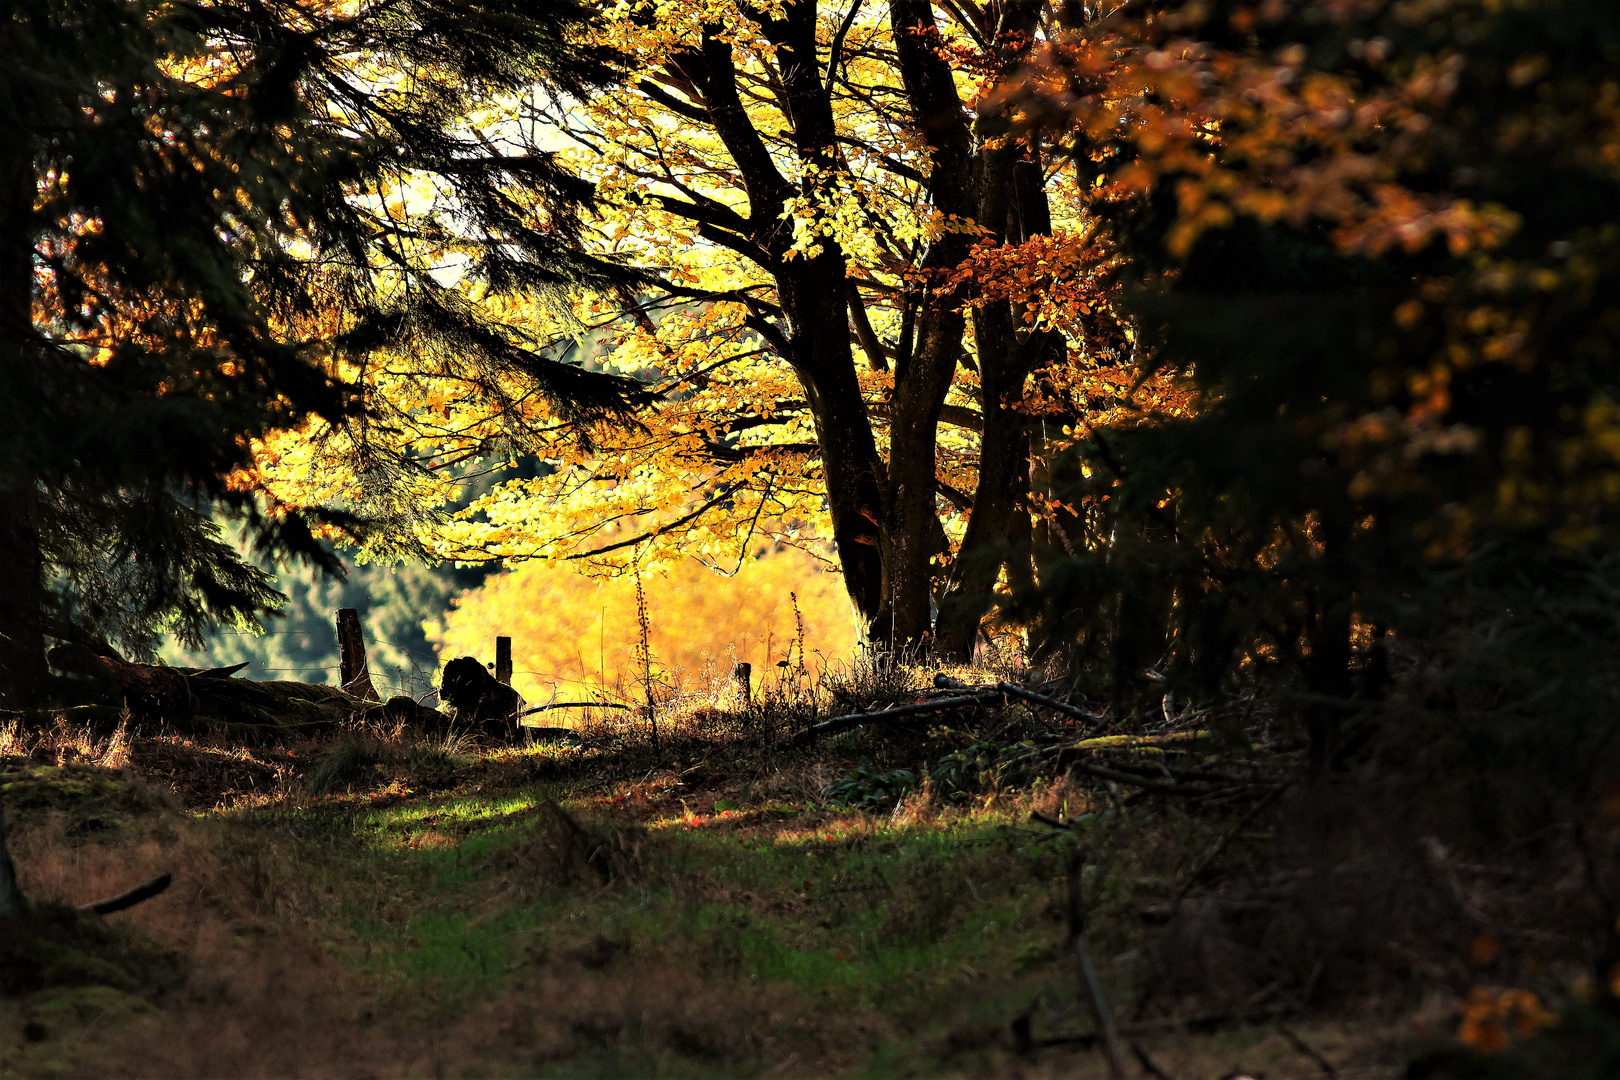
(51, 787)
(51, 947)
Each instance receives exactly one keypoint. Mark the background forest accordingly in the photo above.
(1161, 457)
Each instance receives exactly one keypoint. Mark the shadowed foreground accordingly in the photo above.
(896, 900)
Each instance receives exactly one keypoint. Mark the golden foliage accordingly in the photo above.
(1492, 1019)
(576, 633)
(729, 455)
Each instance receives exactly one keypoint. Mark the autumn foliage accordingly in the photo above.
(579, 635)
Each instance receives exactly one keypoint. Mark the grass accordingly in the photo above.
(378, 904)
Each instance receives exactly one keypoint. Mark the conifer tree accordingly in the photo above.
(187, 255)
(1378, 246)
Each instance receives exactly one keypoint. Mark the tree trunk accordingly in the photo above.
(812, 291)
(852, 470)
(1327, 669)
(1012, 205)
(885, 516)
(354, 675)
(22, 590)
(923, 378)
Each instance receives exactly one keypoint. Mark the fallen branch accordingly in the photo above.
(1309, 1051)
(1195, 1021)
(1051, 703)
(1090, 985)
(1126, 742)
(139, 894)
(853, 720)
(1149, 1066)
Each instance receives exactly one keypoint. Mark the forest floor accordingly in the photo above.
(887, 902)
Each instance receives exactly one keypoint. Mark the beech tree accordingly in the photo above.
(852, 278)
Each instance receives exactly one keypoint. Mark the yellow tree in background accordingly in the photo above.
(870, 320)
(573, 634)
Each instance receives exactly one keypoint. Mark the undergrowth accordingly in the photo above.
(726, 896)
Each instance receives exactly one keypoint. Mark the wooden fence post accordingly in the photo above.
(503, 660)
(743, 674)
(353, 675)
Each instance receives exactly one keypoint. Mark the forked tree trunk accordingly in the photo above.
(885, 515)
(1008, 200)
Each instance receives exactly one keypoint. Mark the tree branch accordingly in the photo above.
(662, 529)
(139, 894)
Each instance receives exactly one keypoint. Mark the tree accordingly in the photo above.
(1377, 247)
(198, 252)
(136, 204)
(845, 259)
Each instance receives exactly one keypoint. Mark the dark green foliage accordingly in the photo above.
(180, 263)
(1474, 545)
(137, 354)
(985, 764)
(869, 787)
(505, 212)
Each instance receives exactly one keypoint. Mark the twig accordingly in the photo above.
(1306, 1049)
(1088, 972)
(1149, 1066)
(1051, 703)
(982, 697)
(575, 705)
(138, 894)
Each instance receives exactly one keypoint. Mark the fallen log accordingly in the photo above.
(110, 690)
(402, 709)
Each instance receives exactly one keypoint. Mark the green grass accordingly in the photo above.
(872, 915)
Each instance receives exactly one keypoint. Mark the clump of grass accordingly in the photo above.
(562, 851)
(346, 764)
(65, 742)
